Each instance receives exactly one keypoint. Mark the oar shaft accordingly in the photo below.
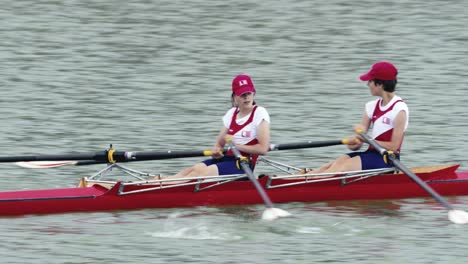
(421, 183)
(159, 155)
(99, 156)
(307, 144)
(396, 162)
(249, 172)
(108, 156)
(111, 156)
(373, 143)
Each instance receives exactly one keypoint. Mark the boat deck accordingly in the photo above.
(58, 194)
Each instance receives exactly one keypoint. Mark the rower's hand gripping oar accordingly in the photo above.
(52, 161)
(456, 216)
(270, 212)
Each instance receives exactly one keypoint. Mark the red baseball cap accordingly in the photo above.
(242, 84)
(383, 70)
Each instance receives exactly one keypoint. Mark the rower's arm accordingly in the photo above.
(355, 142)
(220, 142)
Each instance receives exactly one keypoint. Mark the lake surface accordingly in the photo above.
(77, 76)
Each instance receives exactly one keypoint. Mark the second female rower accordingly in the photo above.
(249, 126)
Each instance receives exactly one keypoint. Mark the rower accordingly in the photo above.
(249, 126)
(388, 116)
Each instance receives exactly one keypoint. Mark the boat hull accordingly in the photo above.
(446, 182)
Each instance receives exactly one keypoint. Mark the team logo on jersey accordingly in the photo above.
(246, 133)
(386, 120)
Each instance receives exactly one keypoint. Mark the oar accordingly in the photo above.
(307, 144)
(456, 216)
(110, 156)
(50, 161)
(54, 164)
(270, 212)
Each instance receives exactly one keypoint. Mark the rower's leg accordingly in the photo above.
(345, 163)
(184, 173)
(332, 166)
(322, 168)
(199, 169)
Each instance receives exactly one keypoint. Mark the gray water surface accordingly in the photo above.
(77, 76)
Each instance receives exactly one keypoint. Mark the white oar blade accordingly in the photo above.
(458, 216)
(44, 164)
(271, 214)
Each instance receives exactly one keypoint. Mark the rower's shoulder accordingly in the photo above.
(261, 109)
(230, 111)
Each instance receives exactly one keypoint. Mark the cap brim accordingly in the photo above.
(244, 89)
(365, 77)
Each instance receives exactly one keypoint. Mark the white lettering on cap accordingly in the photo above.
(243, 82)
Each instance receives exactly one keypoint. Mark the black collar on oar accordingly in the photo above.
(456, 216)
(270, 212)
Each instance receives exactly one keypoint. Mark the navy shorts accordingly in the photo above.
(371, 159)
(226, 165)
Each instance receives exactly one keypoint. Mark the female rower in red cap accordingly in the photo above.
(249, 126)
(388, 116)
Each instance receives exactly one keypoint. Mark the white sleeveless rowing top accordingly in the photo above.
(383, 117)
(248, 132)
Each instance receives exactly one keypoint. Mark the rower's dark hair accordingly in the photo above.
(233, 103)
(388, 86)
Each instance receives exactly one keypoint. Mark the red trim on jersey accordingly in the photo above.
(378, 112)
(387, 135)
(234, 128)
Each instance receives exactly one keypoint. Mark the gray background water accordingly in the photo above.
(155, 75)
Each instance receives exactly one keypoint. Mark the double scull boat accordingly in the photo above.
(95, 193)
(101, 192)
